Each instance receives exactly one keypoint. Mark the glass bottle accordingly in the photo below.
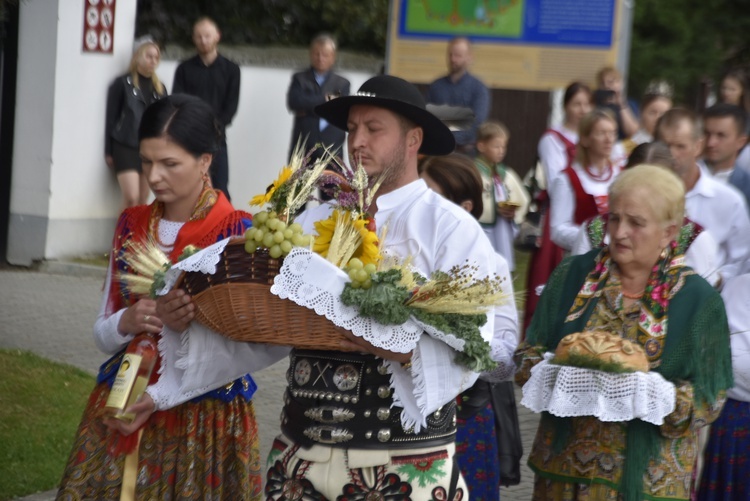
(132, 377)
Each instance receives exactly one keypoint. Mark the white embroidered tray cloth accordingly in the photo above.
(572, 392)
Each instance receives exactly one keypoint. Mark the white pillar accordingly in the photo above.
(61, 191)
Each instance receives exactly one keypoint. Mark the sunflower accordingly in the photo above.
(345, 235)
(284, 175)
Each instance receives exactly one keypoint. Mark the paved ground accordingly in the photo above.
(51, 312)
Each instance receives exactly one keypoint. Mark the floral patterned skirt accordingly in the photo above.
(551, 490)
(205, 449)
(477, 454)
(726, 468)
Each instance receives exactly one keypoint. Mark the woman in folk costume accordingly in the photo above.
(195, 440)
(557, 149)
(639, 289)
(699, 247)
(581, 191)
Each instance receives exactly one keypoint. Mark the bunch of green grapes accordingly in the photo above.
(360, 274)
(269, 232)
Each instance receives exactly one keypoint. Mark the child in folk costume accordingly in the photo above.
(504, 197)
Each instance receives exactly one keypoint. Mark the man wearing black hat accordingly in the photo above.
(378, 424)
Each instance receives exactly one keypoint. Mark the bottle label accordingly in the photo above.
(139, 387)
(124, 381)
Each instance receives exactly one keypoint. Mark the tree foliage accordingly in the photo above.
(686, 42)
(358, 26)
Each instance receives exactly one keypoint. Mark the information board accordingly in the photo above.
(518, 44)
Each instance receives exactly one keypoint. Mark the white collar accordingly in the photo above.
(705, 186)
(409, 192)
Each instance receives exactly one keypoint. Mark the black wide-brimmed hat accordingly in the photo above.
(399, 96)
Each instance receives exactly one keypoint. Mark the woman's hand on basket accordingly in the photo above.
(176, 309)
(356, 343)
(141, 317)
(142, 409)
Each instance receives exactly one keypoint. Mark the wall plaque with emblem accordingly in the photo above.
(98, 25)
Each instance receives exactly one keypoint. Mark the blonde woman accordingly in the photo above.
(637, 287)
(581, 191)
(127, 99)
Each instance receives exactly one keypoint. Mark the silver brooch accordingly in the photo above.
(346, 377)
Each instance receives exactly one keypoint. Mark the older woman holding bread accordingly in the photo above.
(638, 288)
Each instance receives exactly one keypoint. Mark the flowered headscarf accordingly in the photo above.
(666, 279)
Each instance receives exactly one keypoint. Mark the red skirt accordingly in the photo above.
(541, 265)
(205, 449)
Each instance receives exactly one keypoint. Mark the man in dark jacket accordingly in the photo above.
(312, 87)
(216, 80)
(460, 88)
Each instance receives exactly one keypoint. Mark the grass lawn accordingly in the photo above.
(40, 407)
(93, 260)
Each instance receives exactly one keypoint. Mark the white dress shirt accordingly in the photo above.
(736, 295)
(437, 234)
(721, 209)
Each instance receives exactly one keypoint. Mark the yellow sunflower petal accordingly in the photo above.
(259, 200)
(284, 174)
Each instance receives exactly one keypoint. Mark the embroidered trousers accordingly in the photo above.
(328, 473)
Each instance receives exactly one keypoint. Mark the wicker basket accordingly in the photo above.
(237, 302)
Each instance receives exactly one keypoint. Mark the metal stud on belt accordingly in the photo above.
(328, 434)
(329, 414)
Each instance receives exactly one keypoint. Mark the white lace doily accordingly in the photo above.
(204, 261)
(310, 281)
(572, 392)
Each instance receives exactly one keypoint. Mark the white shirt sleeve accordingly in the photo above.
(563, 230)
(738, 244)
(107, 336)
(736, 295)
(703, 257)
(199, 360)
(506, 334)
(582, 243)
(553, 157)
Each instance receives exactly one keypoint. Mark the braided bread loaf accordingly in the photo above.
(602, 347)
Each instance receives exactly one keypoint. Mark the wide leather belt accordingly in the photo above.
(345, 400)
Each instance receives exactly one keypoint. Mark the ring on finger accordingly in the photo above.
(146, 317)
